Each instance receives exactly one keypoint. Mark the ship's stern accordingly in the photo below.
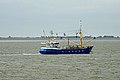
(42, 50)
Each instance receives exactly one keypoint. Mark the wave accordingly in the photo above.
(18, 54)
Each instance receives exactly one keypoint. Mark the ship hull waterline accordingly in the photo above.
(66, 51)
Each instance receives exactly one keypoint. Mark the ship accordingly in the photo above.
(52, 47)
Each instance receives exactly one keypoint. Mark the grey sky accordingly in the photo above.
(31, 17)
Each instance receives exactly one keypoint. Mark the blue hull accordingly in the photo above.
(66, 51)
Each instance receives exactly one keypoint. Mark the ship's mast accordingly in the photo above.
(80, 33)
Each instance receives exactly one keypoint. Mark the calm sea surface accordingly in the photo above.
(20, 60)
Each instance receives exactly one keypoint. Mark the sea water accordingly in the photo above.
(21, 60)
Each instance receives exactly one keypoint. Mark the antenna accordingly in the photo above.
(51, 32)
(80, 25)
(44, 33)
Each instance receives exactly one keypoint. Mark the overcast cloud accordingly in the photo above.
(31, 17)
